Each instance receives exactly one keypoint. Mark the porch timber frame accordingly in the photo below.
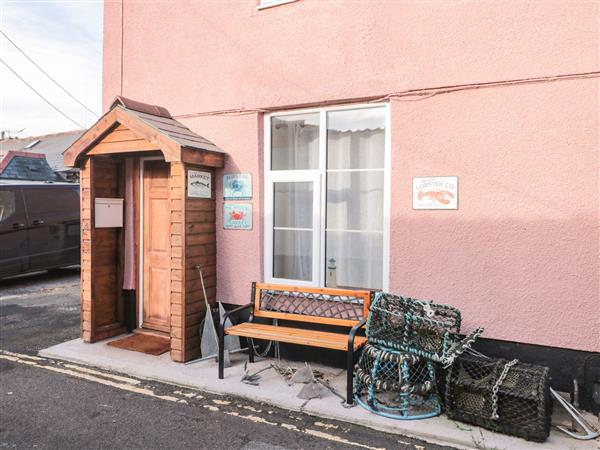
(126, 133)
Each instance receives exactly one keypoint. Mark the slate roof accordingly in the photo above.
(27, 166)
(159, 118)
(51, 145)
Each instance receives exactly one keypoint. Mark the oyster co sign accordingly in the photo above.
(435, 193)
(199, 184)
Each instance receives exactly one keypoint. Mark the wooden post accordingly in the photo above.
(177, 201)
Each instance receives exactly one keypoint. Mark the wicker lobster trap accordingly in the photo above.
(397, 373)
(423, 328)
(396, 384)
(504, 396)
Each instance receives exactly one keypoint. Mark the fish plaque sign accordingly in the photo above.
(435, 193)
(199, 184)
(237, 216)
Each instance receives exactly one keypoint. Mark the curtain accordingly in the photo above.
(354, 236)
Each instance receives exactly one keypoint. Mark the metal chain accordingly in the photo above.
(496, 388)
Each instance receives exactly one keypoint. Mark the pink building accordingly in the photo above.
(337, 108)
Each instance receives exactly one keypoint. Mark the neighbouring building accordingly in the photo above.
(27, 166)
(440, 150)
(51, 146)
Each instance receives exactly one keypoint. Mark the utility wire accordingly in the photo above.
(45, 73)
(40, 95)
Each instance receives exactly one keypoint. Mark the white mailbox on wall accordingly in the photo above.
(108, 212)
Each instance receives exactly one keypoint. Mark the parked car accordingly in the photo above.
(39, 226)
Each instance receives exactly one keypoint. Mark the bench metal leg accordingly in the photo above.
(221, 351)
(349, 376)
(250, 350)
(350, 362)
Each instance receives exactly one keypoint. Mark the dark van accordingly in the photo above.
(39, 226)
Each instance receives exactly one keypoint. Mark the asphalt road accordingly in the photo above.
(51, 404)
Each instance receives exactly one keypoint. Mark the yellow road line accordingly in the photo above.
(126, 385)
(84, 376)
(103, 374)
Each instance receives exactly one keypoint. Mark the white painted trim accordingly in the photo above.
(342, 230)
(387, 198)
(271, 3)
(271, 177)
(349, 106)
(292, 176)
(322, 266)
(292, 229)
(141, 240)
(357, 170)
(268, 201)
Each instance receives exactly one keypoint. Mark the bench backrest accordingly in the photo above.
(343, 307)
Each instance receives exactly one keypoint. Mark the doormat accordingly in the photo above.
(144, 343)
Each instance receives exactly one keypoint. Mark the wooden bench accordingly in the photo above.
(339, 307)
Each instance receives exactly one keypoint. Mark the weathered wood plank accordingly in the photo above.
(200, 228)
(205, 238)
(201, 249)
(200, 204)
(120, 135)
(138, 145)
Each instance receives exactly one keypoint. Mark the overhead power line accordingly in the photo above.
(46, 73)
(40, 95)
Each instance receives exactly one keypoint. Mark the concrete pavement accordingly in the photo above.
(47, 403)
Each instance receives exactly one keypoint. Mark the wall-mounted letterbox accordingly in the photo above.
(108, 212)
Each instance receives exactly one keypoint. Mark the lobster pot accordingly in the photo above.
(523, 407)
(410, 325)
(396, 384)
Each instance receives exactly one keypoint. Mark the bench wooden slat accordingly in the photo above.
(312, 338)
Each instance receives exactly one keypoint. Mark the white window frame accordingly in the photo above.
(317, 176)
(264, 4)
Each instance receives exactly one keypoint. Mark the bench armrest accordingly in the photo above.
(353, 332)
(233, 311)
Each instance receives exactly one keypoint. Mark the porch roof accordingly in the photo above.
(154, 124)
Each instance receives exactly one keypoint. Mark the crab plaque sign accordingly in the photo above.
(199, 184)
(237, 216)
(435, 193)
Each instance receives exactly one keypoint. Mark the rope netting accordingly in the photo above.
(396, 384)
(423, 328)
(505, 396)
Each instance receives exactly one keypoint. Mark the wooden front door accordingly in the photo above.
(156, 244)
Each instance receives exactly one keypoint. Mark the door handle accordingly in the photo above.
(38, 222)
(18, 226)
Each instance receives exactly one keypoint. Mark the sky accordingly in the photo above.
(65, 39)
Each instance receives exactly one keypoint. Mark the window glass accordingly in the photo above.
(7, 204)
(292, 258)
(354, 260)
(295, 142)
(355, 200)
(293, 205)
(356, 139)
(51, 200)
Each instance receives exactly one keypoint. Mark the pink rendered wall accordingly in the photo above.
(521, 255)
